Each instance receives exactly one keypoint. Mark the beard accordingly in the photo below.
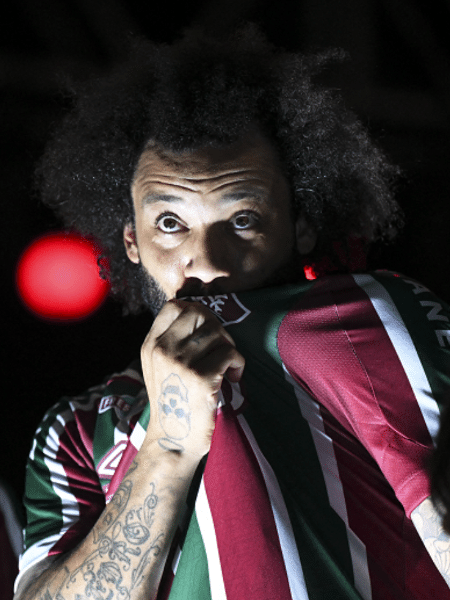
(155, 298)
(151, 291)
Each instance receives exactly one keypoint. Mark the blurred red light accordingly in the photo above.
(57, 277)
(309, 273)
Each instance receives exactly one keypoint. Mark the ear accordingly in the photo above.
(305, 235)
(129, 239)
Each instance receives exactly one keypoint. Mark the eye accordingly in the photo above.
(168, 223)
(244, 220)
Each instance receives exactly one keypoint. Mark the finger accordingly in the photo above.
(208, 333)
(234, 373)
(221, 359)
(167, 315)
(188, 321)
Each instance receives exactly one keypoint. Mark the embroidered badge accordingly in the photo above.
(226, 307)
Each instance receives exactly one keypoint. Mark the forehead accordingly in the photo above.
(253, 157)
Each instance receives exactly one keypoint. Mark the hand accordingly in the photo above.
(184, 359)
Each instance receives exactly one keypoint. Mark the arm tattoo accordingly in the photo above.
(118, 504)
(122, 536)
(174, 413)
(428, 523)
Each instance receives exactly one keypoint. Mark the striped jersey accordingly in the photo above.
(318, 457)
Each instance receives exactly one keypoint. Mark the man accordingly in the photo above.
(209, 170)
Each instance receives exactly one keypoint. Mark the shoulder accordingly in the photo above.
(381, 298)
(121, 390)
(351, 338)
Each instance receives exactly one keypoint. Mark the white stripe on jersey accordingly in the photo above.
(360, 568)
(176, 560)
(137, 436)
(310, 410)
(35, 554)
(69, 512)
(206, 525)
(120, 436)
(288, 545)
(404, 346)
(237, 398)
(60, 485)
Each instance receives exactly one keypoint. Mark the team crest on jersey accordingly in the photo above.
(226, 307)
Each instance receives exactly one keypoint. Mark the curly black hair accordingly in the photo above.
(201, 91)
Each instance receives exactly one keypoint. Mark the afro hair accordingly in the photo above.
(202, 92)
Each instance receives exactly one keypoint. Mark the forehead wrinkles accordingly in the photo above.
(229, 190)
(193, 175)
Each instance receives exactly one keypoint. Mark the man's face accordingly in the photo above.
(212, 221)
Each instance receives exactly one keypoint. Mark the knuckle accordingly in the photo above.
(169, 312)
(161, 348)
(197, 309)
(154, 348)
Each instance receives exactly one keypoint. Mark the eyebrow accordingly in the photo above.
(153, 198)
(255, 195)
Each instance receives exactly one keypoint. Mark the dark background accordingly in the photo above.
(398, 81)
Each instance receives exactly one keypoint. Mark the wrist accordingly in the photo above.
(172, 462)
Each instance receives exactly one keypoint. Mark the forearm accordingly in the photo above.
(125, 552)
(184, 358)
(428, 523)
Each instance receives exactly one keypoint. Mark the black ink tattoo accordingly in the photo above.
(167, 444)
(104, 584)
(428, 523)
(138, 522)
(153, 551)
(150, 504)
(174, 413)
(134, 531)
(118, 504)
(121, 536)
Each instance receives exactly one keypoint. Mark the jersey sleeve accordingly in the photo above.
(371, 350)
(63, 496)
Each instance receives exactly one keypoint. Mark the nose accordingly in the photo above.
(206, 257)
